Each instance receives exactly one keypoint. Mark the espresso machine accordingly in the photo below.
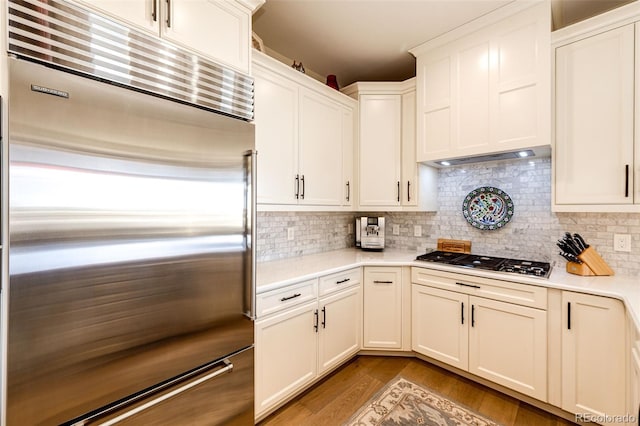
(370, 232)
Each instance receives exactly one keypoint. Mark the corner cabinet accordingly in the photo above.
(485, 87)
(304, 139)
(217, 29)
(597, 126)
(389, 176)
(493, 329)
(302, 332)
(593, 355)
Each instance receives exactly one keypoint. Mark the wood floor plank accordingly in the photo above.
(336, 398)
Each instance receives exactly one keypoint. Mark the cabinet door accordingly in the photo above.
(380, 133)
(471, 125)
(594, 119)
(508, 345)
(348, 147)
(339, 330)
(409, 184)
(218, 29)
(286, 350)
(276, 120)
(382, 324)
(440, 325)
(434, 108)
(137, 13)
(320, 150)
(593, 354)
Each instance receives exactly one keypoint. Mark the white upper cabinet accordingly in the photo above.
(304, 139)
(484, 88)
(389, 176)
(597, 155)
(217, 29)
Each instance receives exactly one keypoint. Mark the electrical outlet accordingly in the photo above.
(622, 242)
(290, 234)
(417, 231)
(396, 229)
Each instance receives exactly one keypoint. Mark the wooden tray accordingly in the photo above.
(455, 246)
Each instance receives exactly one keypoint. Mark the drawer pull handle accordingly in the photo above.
(568, 315)
(284, 299)
(462, 313)
(343, 281)
(324, 317)
(382, 282)
(468, 285)
(315, 320)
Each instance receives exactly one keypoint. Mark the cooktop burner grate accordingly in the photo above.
(490, 263)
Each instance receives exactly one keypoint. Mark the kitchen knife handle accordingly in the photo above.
(462, 313)
(568, 315)
(324, 317)
(626, 180)
(398, 191)
(408, 191)
(315, 320)
(297, 192)
(473, 315)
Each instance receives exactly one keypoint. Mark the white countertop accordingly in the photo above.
(279, 273)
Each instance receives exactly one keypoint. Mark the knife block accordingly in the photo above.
(592, 264)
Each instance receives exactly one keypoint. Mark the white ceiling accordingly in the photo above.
(368, 40)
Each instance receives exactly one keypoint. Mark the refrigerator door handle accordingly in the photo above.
(251, 230)
(227, 368)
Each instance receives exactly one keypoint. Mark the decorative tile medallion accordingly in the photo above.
(487, 208)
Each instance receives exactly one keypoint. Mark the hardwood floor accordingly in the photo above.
(333, 400)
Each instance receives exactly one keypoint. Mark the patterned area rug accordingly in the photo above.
(402, 402)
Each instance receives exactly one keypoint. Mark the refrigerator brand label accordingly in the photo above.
(49, 91)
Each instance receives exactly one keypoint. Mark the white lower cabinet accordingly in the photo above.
(499, 341)
(299, 343)
(593, 355)
(382, 312)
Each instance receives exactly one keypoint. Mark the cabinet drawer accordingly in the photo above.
(282, 298)
(339, 281)
(506, 291)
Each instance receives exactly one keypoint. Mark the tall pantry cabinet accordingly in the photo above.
(597, 101)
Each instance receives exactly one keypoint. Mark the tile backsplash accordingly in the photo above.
(531, 234)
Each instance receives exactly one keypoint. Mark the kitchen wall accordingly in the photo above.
(530, 235)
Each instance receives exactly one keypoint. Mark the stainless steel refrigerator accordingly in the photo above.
(130, 251)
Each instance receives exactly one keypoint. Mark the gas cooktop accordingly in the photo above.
(498, 264)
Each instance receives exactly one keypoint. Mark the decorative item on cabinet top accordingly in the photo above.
(298, 67)
(332, 81)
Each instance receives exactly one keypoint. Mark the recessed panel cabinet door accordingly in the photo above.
(595, 119)
(593, 355)
(138, 13)
(382, 324)
(380, 143)
(508, 345)
(320, 150)
(276, 119)
(339, 328)
(286, 351)
(440, 325)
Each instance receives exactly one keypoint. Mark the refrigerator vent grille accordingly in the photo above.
(72, 38)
